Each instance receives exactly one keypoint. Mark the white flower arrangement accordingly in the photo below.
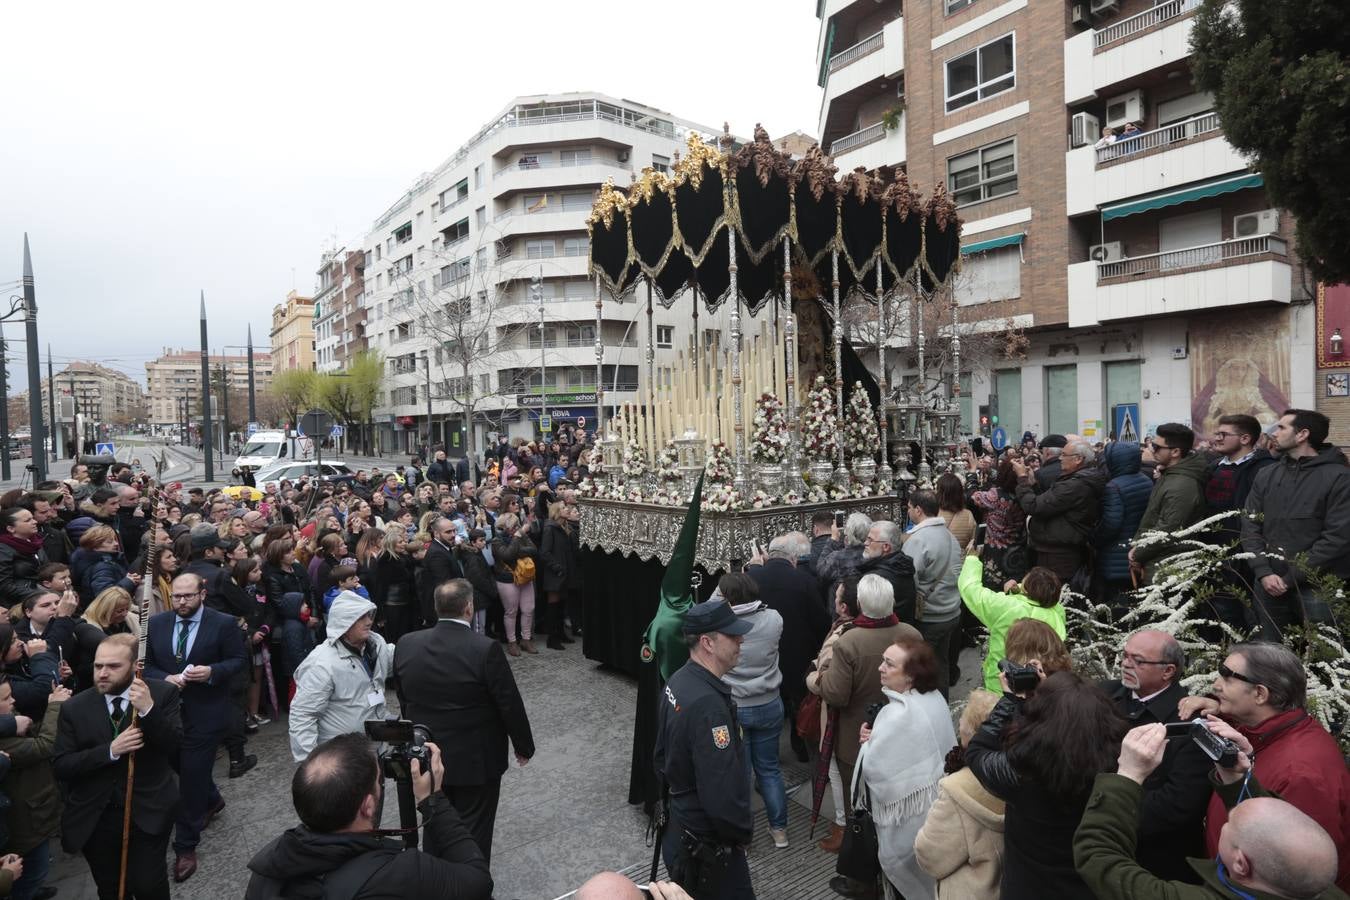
(820, 425)
(634, 462)
(722, 498)
(668, 464)
(769, 443)
(720, 468)
(1177, 602)
(861, 435)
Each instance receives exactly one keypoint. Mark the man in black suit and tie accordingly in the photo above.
(1176, 793)
(199, 651)
(439, 566)
(94, 738)
(459, 685)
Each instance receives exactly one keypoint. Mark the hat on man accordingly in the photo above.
(1057, 441)
(205, 537)
(714, 615)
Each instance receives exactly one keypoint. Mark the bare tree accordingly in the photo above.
(473, 304)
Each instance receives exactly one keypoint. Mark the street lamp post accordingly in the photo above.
(537, 287)
(4, 410)
(51, 400)
(252, 402)
(37, 435)
(206, 398)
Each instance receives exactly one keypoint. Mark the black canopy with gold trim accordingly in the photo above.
(673, 228)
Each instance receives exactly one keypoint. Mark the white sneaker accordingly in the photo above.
(779, 836)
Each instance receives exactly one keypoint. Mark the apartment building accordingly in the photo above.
(1152, 274)
(293, 333)
(453, 264)
(338, 332)
(101, 394)
(177, 374)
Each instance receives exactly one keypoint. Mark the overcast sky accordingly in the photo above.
(152, 150)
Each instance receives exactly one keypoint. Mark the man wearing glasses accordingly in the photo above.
(1262, 692)
(1178, 497)
(1171, 824)
(1230, 481)
(200, 651)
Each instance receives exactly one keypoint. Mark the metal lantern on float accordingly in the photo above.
(908, 417)
(611, 453)
(690, 454)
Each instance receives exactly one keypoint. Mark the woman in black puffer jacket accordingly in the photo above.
(288, 593)
(392, 588)
(559, 569)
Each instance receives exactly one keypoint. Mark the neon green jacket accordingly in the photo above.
(998, 612)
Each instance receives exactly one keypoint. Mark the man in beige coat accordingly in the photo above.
(850, 682)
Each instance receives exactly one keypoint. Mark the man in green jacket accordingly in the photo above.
(1268, 848)
(1178, 499)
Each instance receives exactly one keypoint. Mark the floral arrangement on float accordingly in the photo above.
(861, 436)
(719, 480)
(669, 479)
(820, 426)
(769, 441)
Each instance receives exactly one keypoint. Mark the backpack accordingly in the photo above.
(523, 573)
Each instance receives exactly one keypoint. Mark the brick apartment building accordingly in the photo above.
(1152, 274)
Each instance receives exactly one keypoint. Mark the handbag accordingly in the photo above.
(808, 718)
(858, 854)
(523, 572)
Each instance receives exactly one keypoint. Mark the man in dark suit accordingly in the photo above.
(439, 566)
(94, 737)
(200, 651)
(795, 594)
(1176, 794)
(459, 684)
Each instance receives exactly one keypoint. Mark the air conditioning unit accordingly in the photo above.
(1080, 16)
(1086, 129)
(1267, 221)
(1125, 108)
(1105, 253)
(1105, 7)
(623, 156)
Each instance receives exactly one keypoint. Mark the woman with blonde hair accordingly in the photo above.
(961, 841)
(1031, 640)
(559, 569)
(107, 614)
(514, 567)
(233, 526)
(393, 589)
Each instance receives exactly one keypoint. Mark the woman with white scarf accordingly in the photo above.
(902, 761)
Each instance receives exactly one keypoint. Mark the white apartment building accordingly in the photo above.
(453, 260)
(1152, 274)
(327, 312)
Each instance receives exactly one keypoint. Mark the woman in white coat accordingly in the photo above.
(902, 761)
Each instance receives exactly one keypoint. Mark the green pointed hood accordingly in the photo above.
(663, 642)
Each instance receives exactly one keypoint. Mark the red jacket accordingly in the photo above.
(1299, 761)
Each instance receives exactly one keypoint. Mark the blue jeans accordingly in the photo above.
(36, 864)
(762, 726)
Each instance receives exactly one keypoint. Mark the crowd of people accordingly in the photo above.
(304, 605)
(1051, 783)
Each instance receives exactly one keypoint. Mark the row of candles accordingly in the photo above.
(696, 393)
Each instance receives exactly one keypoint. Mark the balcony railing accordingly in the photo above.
(858, 138)
(529, 166)
(1129, 27)
(852, 54)
(1191, 257)
(1206, 123)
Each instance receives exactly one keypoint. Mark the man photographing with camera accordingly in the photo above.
(1267, 848)
(338, 850)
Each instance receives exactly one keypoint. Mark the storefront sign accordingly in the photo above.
(568, 399)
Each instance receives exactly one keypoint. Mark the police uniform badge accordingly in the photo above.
(721, 737)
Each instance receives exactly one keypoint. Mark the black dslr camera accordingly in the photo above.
(1223, 752)
(403, 742)
(1021, 679)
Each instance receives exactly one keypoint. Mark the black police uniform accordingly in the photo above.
(702, 757)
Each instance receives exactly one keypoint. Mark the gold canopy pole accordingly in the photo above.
(742, 476)
(885, 474)
(840, 472)
(794, 460)
(599, 368)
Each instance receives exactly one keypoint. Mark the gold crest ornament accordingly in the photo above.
(721, 737)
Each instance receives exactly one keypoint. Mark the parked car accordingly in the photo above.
(274, 474)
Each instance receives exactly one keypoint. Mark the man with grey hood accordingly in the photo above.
(755, 683)
(340, 685)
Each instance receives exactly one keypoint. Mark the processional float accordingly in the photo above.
(741, 226)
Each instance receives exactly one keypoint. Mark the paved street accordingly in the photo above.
(562, 818)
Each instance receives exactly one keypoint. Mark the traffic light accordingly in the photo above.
(985, 426)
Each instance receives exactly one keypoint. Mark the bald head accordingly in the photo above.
(609, 886)
(1273, 846)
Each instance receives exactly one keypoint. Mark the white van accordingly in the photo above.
(267, 447)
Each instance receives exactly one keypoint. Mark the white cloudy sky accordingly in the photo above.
(155, 149)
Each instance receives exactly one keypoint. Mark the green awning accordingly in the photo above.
(1225, 185)
(1008, 240)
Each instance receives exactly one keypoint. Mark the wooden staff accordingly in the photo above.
(147, 588)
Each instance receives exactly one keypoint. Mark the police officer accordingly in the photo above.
(701, 758)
